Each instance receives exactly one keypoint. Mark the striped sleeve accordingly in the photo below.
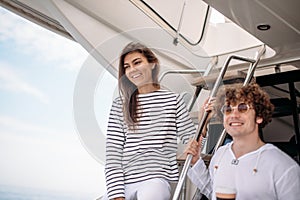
(184, 124)
(114, 152)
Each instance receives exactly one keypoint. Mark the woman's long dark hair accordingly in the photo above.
(127, 89)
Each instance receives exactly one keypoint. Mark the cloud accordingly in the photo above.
(11, 81)
(50, 46)
(35, 155)
(13, 124)
(57, 161)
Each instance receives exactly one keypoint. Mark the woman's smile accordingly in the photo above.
(138, 70)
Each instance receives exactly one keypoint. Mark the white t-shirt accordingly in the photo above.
(265, 174)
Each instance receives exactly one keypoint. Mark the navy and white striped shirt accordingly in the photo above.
(150, 150)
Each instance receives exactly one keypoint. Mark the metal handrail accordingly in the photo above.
(210, 66)
(180, 71)
(205, 116)
(247, 81)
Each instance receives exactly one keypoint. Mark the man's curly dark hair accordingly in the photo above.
(250, 94)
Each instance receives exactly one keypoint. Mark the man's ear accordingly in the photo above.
(259, 120)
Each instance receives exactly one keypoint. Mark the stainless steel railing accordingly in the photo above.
(202, 123)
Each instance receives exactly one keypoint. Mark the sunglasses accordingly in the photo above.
(242, 108)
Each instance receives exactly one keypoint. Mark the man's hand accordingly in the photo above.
(193, 148)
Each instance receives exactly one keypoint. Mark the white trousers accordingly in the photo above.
(152, 189)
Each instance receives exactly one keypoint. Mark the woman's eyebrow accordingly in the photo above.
(136, 59)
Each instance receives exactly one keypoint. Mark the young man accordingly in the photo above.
(247, 165)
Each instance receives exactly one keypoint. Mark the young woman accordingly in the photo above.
(144, 125)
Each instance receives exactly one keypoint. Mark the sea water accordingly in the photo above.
(22, 193)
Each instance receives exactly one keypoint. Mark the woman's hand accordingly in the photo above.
(119, 198)
(208, 106)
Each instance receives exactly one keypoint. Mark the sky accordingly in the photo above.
(40, 146)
